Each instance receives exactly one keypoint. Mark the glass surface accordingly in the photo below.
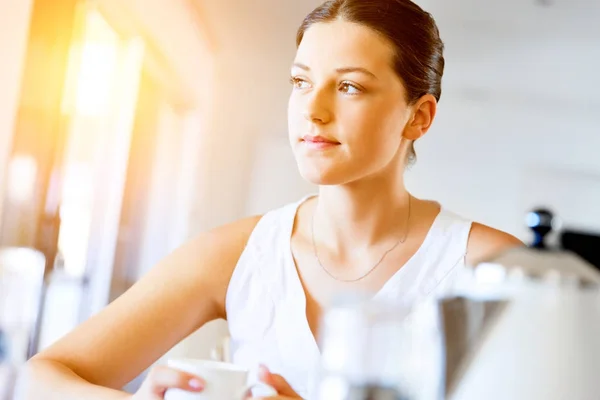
(379, 350)
(21, 277)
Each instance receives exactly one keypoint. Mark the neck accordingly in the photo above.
(363, 213)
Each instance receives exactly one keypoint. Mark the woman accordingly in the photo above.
(366, 84)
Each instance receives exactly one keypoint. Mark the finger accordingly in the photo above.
(276, 381)
(163, 378)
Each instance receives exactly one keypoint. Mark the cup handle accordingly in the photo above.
(247, 391)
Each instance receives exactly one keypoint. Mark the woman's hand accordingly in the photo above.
(284, 390)
(160, 379)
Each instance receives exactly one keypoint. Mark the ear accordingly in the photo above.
(422, 117)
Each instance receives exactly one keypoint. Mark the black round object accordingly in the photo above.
(541, 222)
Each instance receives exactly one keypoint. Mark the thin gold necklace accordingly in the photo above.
(316, 253)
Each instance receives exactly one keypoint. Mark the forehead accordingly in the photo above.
(345, 44)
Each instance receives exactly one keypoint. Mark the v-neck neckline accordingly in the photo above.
(299, 287)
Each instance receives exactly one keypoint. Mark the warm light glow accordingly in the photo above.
(76, 217)
(98, 64)
(92, 69)
(101, 90)
(22, 172)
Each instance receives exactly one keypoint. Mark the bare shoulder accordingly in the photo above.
(217, 252)
(485, 241)
(206, 262)
(176, 297)
(226, 241)
(219, 247)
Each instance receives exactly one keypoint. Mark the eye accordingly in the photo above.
(299, 83)
(349, 88)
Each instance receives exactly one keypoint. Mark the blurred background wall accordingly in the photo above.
(192, 132)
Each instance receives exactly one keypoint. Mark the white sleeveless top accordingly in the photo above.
(266, 304)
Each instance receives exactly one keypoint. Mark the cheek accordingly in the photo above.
(294, 114)
(375, 130)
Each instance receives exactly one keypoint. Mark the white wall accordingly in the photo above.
(519, 101)
(14, 31)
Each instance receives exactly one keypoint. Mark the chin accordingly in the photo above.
(323, 176)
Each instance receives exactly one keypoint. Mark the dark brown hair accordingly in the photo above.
(419, 51)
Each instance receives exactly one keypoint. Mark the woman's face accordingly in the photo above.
(347, 111)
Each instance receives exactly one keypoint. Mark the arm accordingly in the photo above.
(485, 242)
(179, 295)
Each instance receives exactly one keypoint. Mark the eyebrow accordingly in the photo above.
(343, 70)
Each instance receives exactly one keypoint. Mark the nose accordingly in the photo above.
(318, 108)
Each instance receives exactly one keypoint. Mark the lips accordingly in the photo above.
(318, 143)
(319, 140)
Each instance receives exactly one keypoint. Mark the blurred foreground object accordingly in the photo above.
(379, 350)
(21, 285)
(525, 324)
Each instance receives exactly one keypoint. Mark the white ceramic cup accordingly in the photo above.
(224, 381)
